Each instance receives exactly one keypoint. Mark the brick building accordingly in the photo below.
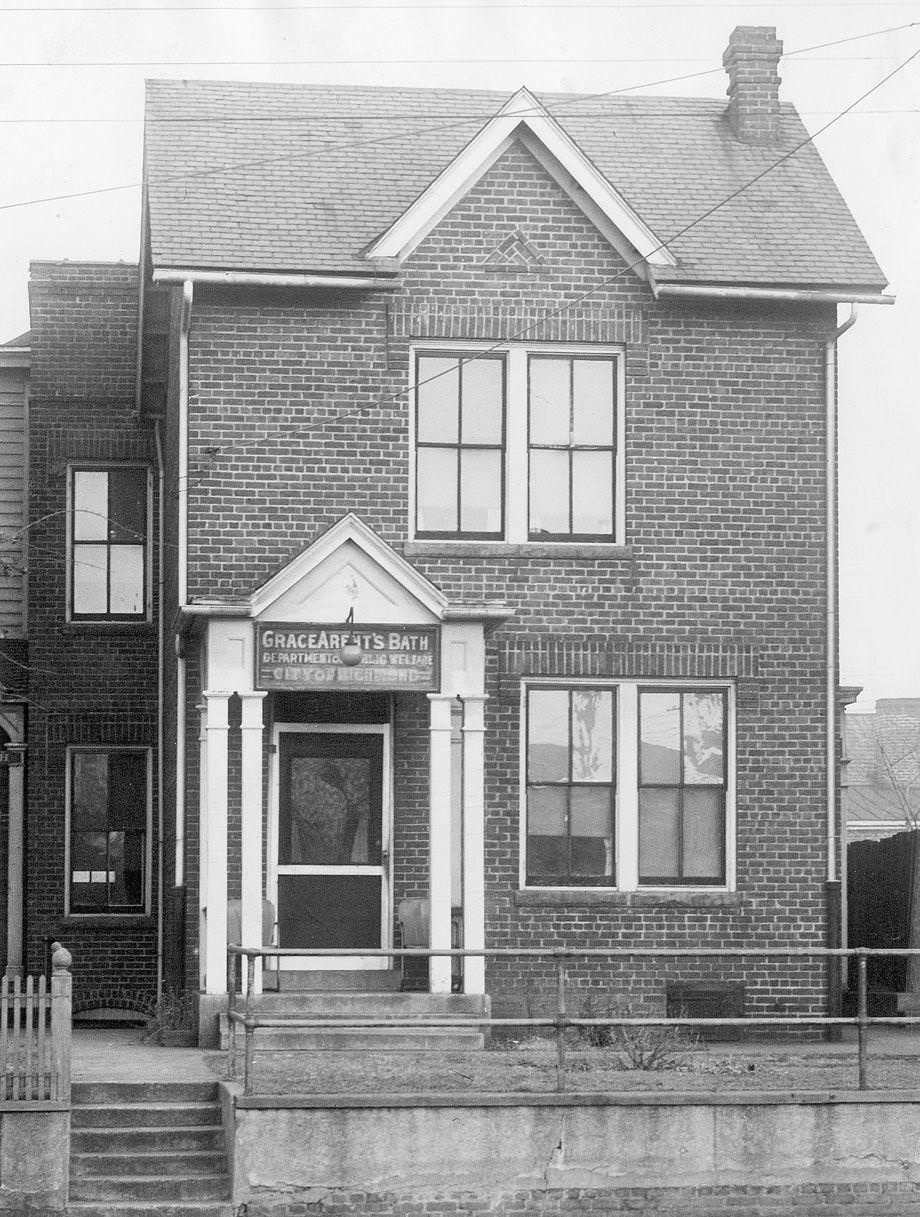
(443, 512)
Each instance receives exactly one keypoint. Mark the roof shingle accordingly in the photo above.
(277, 177)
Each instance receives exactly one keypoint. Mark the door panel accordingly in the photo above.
(332, 837)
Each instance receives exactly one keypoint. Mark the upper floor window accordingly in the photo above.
(460, 446)
(520, 444)
(108, 817)
(572, 445)
(109, 549)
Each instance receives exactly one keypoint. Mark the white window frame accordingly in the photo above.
(110, 620)
(626, 789)
(516, 438)
(115, 914)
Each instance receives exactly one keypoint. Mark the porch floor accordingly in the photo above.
(121, 1055)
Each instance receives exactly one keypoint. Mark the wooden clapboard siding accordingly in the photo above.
(13, 466)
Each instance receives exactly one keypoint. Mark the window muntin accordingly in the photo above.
(109, 543)
(571, 748)
(460, 446)
(109, 827)
(682, 786)
(571, 402)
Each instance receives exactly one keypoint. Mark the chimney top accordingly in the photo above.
(751, 60)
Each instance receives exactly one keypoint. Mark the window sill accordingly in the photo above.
(592, 550)
(108, 921)
(108, 627)
(588, 897)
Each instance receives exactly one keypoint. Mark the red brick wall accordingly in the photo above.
(299, 414)
(88, 684)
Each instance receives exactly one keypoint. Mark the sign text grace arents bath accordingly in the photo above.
(292, 656)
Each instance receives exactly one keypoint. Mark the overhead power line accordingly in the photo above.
(331, 145)
(548, 314)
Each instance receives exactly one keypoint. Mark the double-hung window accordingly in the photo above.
(109, 543)
(682, 780)
(572, 445)
(521, 444)
(460, 446)
(109, 827)
(627, 784)
(570, 786)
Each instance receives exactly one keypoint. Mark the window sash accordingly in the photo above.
(569, 452)
(109, 568)
(684, 792)
(568, 787)
(107, 838)
(466, 488)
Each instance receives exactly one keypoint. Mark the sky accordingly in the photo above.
(71, 100)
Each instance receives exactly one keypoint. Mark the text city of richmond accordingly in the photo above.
(298, 656)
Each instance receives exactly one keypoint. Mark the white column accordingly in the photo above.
(15, 860)
(251, 832)
(439, 840)
(216, 813)
(474, 909)
(202, 838)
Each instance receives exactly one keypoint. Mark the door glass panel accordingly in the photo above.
(329, 812)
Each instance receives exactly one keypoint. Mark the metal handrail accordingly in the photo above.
(250, 1019)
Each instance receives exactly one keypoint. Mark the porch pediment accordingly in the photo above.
(349, 568)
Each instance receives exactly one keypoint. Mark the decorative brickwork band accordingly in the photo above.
(491, 322)
(568, 657)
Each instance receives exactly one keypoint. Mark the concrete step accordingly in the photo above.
(370, 1005)
(144, 1092)
(131, 1208)
(155, 1162)
(371, 1039)
(165, 1189)
(143, 1115)
(363, 980)
(115, 1140)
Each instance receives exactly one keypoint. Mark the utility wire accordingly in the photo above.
(578, 299)
(330, 145)
(313, 429)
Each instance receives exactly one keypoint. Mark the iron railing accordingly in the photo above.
(249, 1017)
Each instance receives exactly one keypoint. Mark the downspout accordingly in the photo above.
(833, 887)
(182, 577)
(158, 436)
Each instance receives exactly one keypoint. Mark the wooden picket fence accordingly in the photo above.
(35, 1024)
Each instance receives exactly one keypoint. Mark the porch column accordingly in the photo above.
(439, 841)
(202, 839)
(474, 913)
(251, 834)
(216, 814)
(15, 860)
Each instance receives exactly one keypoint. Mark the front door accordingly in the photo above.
(333, 843)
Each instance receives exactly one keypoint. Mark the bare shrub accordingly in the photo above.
(647, 1048)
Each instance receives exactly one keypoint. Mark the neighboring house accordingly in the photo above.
(881, 793)
(458, 533)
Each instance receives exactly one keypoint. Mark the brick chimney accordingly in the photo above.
(751, 59)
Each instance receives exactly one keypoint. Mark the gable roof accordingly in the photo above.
(293, 178)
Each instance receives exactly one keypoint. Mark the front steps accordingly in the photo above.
(142, 1149)
(327, 1001)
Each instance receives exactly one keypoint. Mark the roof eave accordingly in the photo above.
(842, 294)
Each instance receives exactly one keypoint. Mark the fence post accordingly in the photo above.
(862, 1013)
(560, 1022)
(61, 1018)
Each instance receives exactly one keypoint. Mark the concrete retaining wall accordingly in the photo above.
(34, 1160)
(551, 1153)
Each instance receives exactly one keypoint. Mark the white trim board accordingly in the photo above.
(523, 116)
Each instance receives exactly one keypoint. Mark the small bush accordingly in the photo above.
(647, 1048)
